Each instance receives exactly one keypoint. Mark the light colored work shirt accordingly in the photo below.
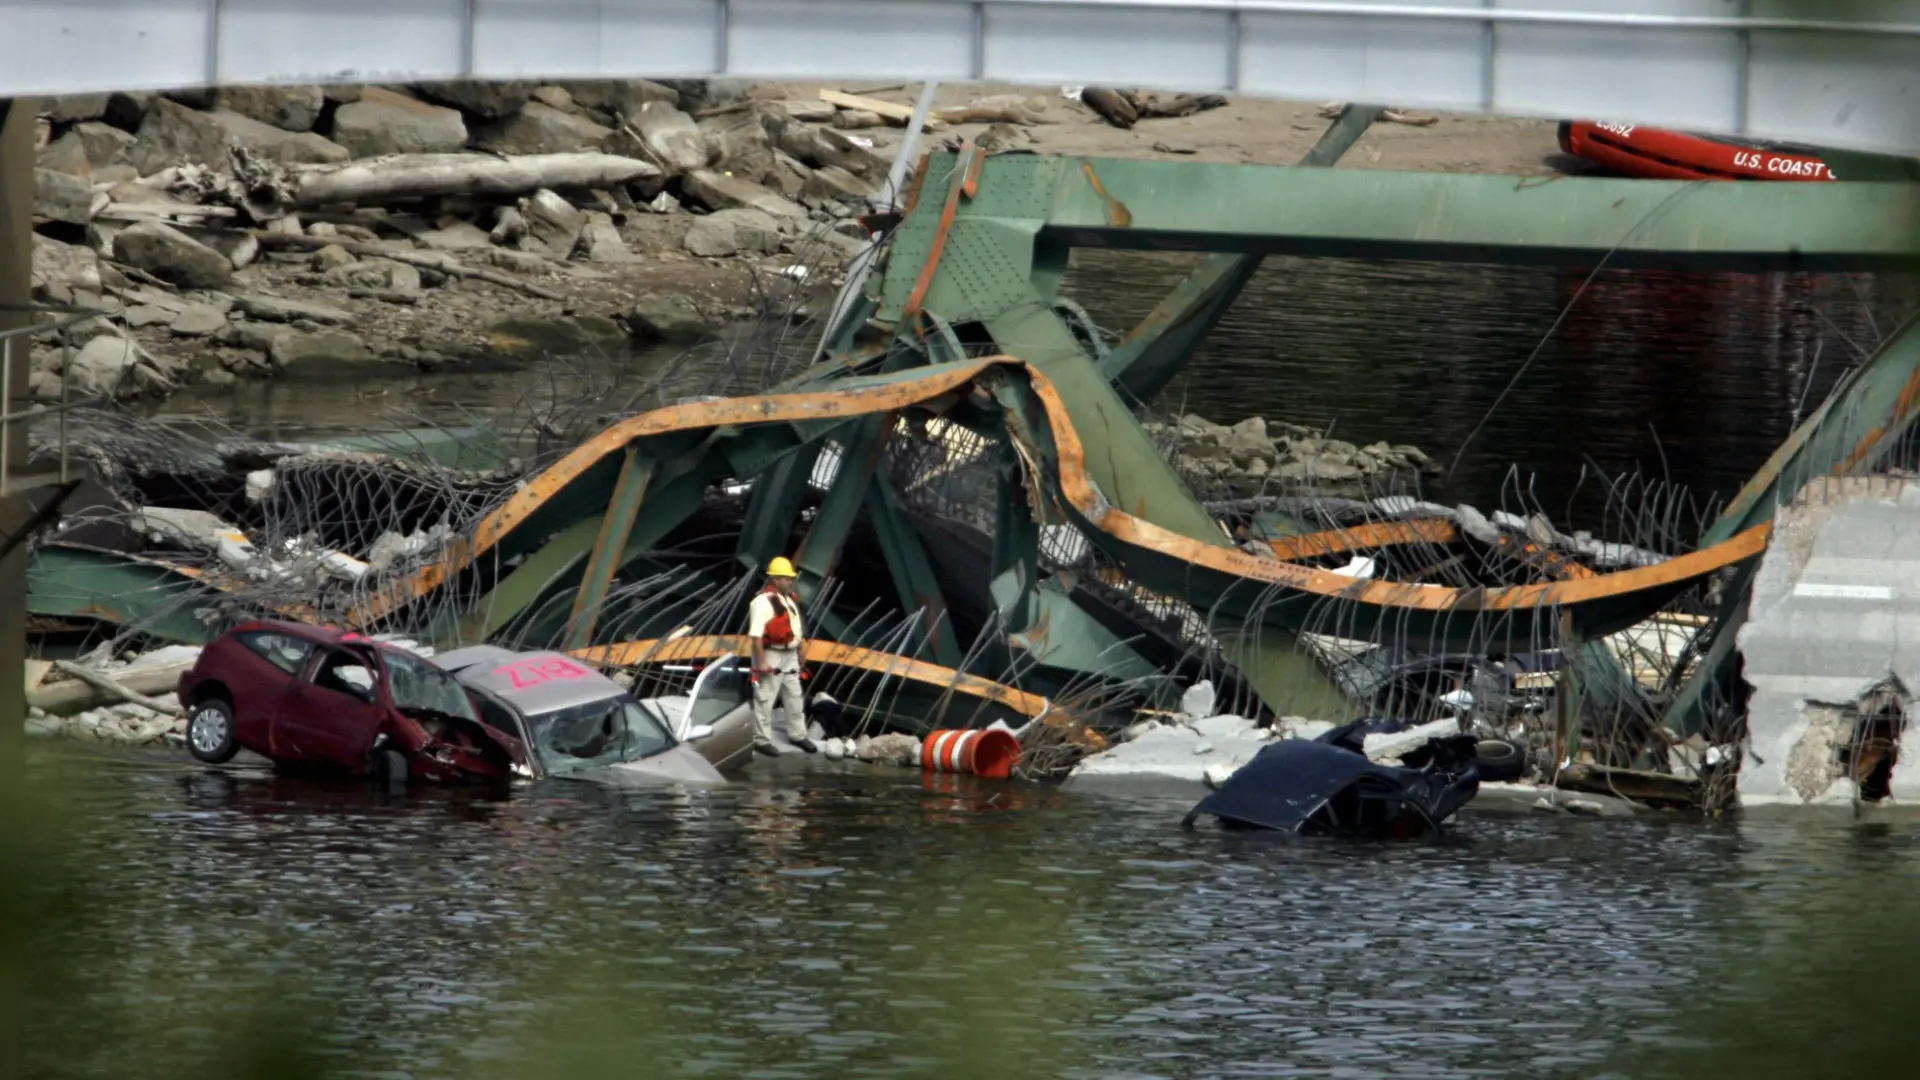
(761, 611)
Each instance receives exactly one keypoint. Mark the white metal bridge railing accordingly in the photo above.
(1731, 66)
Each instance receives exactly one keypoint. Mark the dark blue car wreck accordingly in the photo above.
(1328, 786)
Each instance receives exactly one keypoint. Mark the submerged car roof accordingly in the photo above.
(533, 682)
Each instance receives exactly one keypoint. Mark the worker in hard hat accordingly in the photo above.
(775, 636)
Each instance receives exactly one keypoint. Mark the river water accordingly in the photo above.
(859, 921)
(1688, 378)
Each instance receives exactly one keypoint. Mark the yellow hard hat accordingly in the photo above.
(780, 567)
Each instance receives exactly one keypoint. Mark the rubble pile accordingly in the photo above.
(1256, 454)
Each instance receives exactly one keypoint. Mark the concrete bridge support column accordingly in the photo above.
(16, 293)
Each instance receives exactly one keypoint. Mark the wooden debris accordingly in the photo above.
(1124, 108)
(997, 109)
(897, 114)
(1112, 105)
(446, 264)
(847, 119)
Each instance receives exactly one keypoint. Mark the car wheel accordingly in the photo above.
(388, 767)
(210, 732)
(1499, 761)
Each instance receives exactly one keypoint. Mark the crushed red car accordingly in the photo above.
(309, 697)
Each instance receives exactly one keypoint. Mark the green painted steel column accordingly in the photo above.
(1155, 350)
(819, 553)
(913, 576)
(628, 493)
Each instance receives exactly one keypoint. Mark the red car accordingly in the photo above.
(306, 696)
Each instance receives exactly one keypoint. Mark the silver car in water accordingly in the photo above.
(574, 721)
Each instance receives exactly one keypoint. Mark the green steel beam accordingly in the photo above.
(1124, 463)
(609, 545)
(1366, 213)
(135, 594)
(1155, 350)
(1062, 635)
(913, 576)
(1160, 345)
(1016, 543)
(819, 553)
(773, 508)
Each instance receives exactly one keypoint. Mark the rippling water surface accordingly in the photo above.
(863, 923)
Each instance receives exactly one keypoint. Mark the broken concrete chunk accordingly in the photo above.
(670, 139)
(734, 232)
(331, 257)
(456, 236)
(104, 144)
(553, 225)
(669, 318)
(279, 309)
(66, 154)
(104, 366)
(198, 321)
(172, 256)
(717, 191)
(296, 348)
(835, 184)
(738, 143)
(62, 197)
(602, 242)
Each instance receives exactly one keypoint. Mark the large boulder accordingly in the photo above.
(66, 154)
(289, 108)
(127, 108)
(486, 100)
(601, 241)
(669, 138)
(59, 269)
(104, 366)
(620, 97)
(172, 256)
(738, 143)
(74, 107)
(718, 191)
(172, 134)
(295, 348)
(835, 184)
(309, 148)
(669, 318)
(103, 143)
(741, 231)
(279, 309)
(62, 197)
(832, 147)
(383, 122)
(540, 129)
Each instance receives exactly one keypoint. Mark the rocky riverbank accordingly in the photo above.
(313, 231)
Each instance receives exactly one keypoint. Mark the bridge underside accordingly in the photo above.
(1842, 78)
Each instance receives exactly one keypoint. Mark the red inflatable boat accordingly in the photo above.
(1673, 155)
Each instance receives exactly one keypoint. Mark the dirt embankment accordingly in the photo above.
(249, 231)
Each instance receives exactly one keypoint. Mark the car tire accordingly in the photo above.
(388, 767)
(210, 732)
(1499, 761)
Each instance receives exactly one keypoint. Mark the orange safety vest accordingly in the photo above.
(779, 630)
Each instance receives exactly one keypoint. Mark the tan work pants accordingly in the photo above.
(783, 682)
